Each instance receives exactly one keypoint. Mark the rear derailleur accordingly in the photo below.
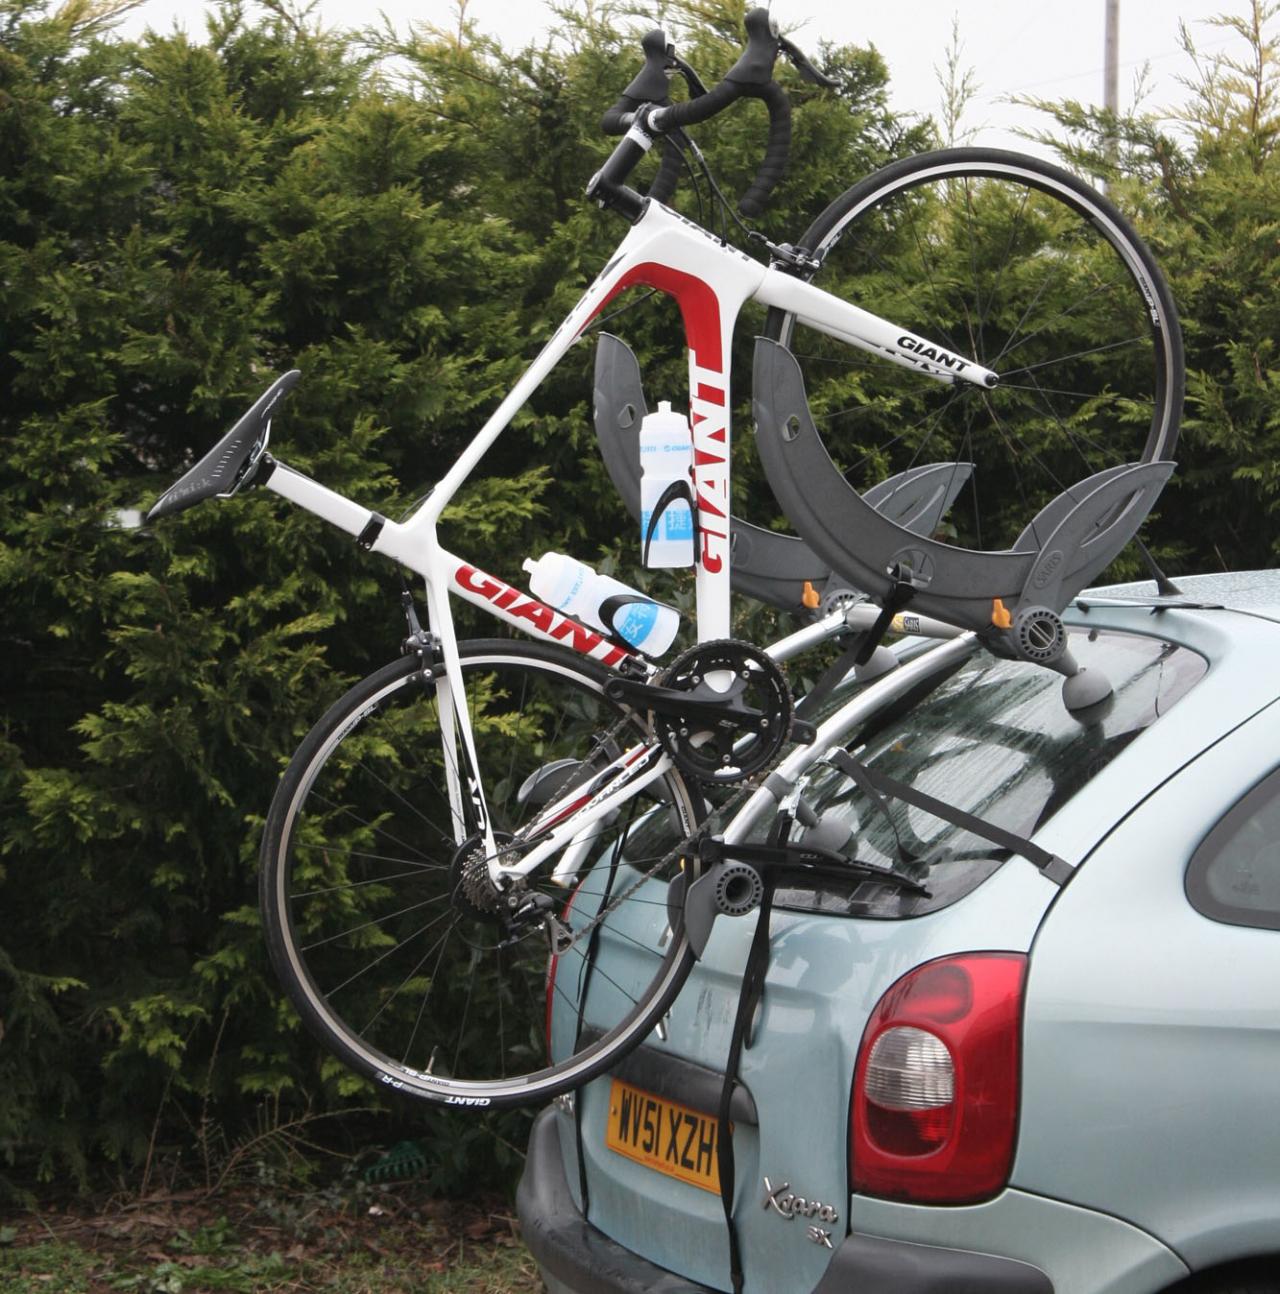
(512, 910)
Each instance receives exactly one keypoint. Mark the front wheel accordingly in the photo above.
(384, 930)
(1009, 261)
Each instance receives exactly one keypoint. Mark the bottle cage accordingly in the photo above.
(234, 461)
(865, 545)
(771, 567)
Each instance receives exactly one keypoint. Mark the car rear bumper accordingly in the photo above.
(575, 1258)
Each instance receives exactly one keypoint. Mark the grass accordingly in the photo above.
(379, 1240)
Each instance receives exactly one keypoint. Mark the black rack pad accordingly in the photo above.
(1085, 527)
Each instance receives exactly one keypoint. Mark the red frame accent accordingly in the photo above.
(699, 307)
(700, 311)
(544, 620)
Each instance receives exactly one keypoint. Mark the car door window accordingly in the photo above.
(1234, 874)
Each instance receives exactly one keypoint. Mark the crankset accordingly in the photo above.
(722, 710)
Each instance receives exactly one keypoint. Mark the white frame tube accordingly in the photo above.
(711, 280)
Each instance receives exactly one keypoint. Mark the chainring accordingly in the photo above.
(755, 717)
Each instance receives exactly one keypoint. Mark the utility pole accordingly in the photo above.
(1111, 73)
(1111, 89)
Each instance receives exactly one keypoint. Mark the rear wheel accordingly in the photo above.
(387, 933)
(1014, 263)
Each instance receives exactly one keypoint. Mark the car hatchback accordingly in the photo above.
(996, 1077)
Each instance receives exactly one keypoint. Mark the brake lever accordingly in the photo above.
(691, 78)
(650, 84)
(802, 65)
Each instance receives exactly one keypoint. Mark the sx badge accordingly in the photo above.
(787, 1204)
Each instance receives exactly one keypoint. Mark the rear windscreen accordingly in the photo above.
(993, 738)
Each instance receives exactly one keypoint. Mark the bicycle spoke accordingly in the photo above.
(407, 949)
(375, 921)
(377, 961)
(1079, 354)
(368, 825)
(443, 944)
(1016, 260)
(396, 991)
(376, 880)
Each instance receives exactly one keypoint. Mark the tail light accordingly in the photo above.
(935, 1094)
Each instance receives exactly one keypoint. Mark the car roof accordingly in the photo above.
(1255, 592)
(1232, 619)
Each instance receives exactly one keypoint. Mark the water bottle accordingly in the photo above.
(573, 587)
(666, 491)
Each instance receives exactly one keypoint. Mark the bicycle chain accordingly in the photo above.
(683, 848)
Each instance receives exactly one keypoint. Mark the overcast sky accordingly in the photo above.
(1014, 47)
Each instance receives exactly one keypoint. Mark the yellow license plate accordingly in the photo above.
(662, 1135)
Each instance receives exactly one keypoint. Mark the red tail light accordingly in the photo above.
(935, 1094)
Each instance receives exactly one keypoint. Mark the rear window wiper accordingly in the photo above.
(734, 878)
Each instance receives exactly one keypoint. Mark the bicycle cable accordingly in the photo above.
(621, 310)
(685, 846)
(680, 138)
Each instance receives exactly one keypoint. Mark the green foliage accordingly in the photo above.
(1204, 186)
(179, 222)
(402, 220)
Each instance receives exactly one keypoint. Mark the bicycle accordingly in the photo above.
(482, 815)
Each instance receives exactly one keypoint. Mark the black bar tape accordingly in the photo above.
(691, 111)
(664, 183)
(774, 166)
(612, 122)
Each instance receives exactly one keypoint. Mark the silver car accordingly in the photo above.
(991, 1076)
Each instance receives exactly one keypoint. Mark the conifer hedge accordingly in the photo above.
(180, 221)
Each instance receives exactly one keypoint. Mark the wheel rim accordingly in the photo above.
(1029, 274)
(420, 990)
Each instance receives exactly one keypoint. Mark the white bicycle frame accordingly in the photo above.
(711, 281)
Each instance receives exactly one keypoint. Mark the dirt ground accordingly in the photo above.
(391, 1239)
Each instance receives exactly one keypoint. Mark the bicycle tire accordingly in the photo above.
(1015, 263)
(393, 961)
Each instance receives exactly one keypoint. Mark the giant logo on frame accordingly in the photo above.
(709, 414)
(541, 617)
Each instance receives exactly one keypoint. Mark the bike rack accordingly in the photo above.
(991, 593)
(764, 564)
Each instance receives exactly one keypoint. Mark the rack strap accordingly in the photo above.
(1056, 869)
(752, 990)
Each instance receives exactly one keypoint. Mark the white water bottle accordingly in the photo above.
(573, 587)
(666, 489)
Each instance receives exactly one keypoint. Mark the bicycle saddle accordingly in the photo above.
(231, 463)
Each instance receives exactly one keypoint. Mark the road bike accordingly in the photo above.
(465, 829)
